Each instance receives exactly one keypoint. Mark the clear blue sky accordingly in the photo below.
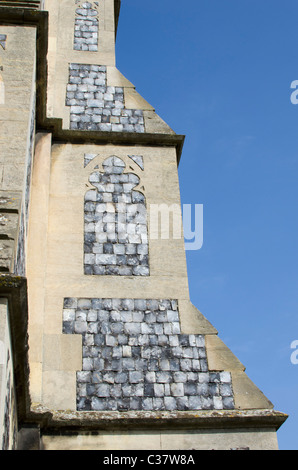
(219, 72)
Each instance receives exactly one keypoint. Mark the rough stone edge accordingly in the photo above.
(14, 288)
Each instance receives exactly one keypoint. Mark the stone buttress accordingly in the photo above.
(115, 345)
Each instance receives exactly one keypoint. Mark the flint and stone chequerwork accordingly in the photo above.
(100, 345)
(135, 358)
(86, 27)
(116, 231)
(94, 106)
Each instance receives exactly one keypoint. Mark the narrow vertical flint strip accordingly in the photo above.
(86, 28)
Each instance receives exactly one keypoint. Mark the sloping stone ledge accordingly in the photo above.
(50, 420)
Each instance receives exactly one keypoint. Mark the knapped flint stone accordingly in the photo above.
(98, 404)
(136, 377)
(149, 390)
(68, 327)
(204, 365)
(228, 403)
(226, 390)
(217, 402)
(194, 403)
(103, 390)
(207, 403)
(80, 327)
(121, 377)
(170, 403)
(116, 391)
(140, 304)
(225, 377)
(84, 303)
(214, 389)
(84, 404)
(70, 302)
(214, 377)
(174, 364)
(190, 389)
(84, 377)
(158, 404)
(186, 365)
(136, 351)
(182, 403)
(203, 390)
(135, 403)
(97, 377)
(123, 339)
(124, 404)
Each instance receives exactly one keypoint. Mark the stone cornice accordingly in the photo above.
(50, 420)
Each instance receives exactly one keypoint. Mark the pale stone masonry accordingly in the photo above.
(135, 358)
(94, 106)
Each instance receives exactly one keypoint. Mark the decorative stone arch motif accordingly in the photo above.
(3, 38)
(86, 26)
(115, 222)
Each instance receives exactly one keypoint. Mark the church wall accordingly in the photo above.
(17, 121)
(238, 439)
(62, 263)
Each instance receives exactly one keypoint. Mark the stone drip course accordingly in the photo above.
(135, 358)
(95, 106)
(115, 231)
(86, 27)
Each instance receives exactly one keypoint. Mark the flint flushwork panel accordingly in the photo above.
(94, 106)
(86, 27)
(135, 358)
(115, 227)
